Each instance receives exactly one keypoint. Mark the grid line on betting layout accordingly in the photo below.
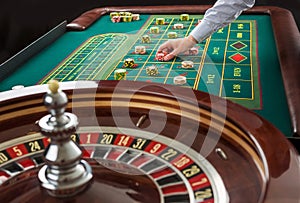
(79, 64)
(203, 56)
(106, 60)
(87, 60)
(64, 66)
(172, 63)
(98, 62)
(85, 73)
(251, 60)
(224, 62)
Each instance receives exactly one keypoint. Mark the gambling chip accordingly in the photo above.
(184, 17)
(154, 30)
(121, 13)
(187, 64)
(120, 74)
(152, 70)
(112, 14)
(146, 39)
(127, 18)
(160, 56)
(129, 63)
(128, 14)
(140, 49)
(172, 35)
(116, 19)
(160, 21)
(135, 16)
(179, 80)
(178, 26)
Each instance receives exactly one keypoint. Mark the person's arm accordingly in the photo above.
(220, 15)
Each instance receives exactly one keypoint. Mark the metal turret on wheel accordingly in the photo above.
(64, 173)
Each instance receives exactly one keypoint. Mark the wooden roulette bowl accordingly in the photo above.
(148, 142)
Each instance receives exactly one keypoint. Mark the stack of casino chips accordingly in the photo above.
(178, 26)
(184, 17)
(120, 74)
(127, 18)
(154, 30)
(187, 64)
(160, 56)
(146, 39)
(129, 63)
(152, 70)
(140, 50)
(172, 35)
(179, 80)
(117, 17)
(135, 16)
(160, 21)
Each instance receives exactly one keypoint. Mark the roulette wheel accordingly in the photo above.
(113, 141)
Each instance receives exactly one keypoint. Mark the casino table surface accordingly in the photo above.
(146, 139)
(252, 62)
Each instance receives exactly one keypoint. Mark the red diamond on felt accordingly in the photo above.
(237, 57)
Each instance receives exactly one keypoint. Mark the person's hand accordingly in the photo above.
(175, 47)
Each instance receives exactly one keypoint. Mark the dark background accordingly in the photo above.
(22, 22)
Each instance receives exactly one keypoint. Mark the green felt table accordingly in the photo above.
(240, 62)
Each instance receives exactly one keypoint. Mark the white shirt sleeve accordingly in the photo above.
(220, 15)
